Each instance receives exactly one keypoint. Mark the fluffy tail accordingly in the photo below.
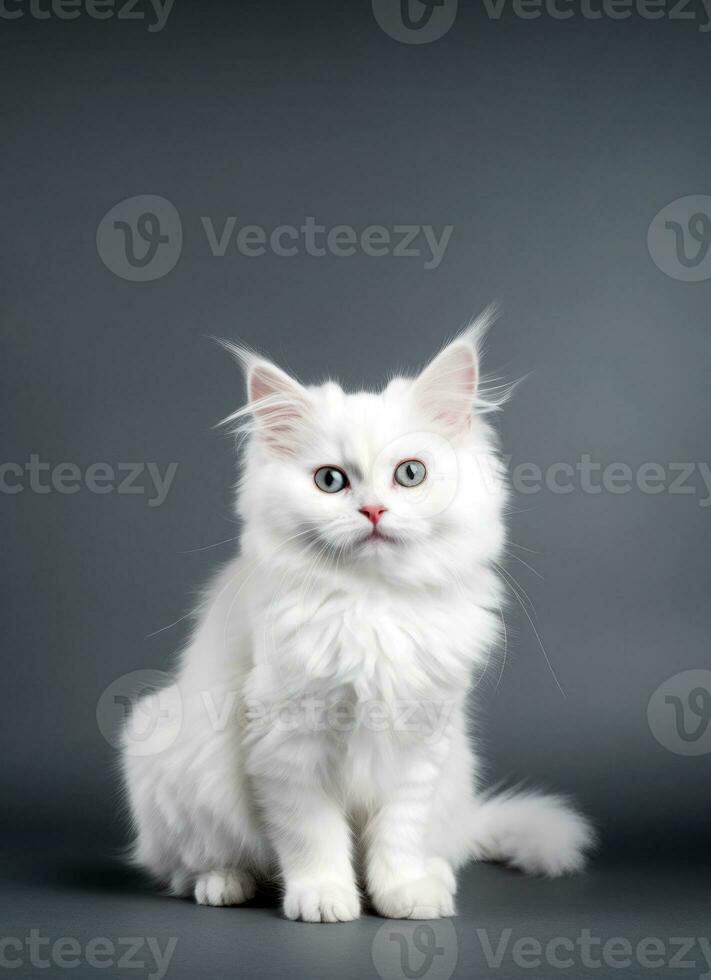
(536, 833)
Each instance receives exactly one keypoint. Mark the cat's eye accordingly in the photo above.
(410, 473)
(330, 479)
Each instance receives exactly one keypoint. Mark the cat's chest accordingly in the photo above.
(379, 644)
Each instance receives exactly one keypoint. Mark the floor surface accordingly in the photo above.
(75, 910)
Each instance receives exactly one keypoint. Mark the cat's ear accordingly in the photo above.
(279, 406)
(445, 392)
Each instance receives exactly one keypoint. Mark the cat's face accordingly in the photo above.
(389, 480)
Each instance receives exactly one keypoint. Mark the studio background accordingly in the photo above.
(549, 146)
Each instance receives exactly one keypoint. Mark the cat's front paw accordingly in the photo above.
(321, 901)
(429, 897)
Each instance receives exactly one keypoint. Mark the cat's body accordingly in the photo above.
(317, 728)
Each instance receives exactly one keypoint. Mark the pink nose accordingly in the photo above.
(373, 512)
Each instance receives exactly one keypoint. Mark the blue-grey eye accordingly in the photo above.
(410, 473)
(330, 479)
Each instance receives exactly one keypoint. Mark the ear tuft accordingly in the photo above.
(277, 404)
(446, 391)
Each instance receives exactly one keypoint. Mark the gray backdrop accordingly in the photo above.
(549, 146)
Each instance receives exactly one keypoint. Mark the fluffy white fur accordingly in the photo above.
(323, 736)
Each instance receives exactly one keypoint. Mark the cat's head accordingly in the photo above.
(404, 482)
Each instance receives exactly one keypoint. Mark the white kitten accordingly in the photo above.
(317, 726)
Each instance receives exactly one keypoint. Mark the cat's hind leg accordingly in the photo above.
(195, 829)
(228, 886)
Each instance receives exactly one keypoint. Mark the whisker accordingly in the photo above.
(193, 551)
(535, 632)
(525, 563)
(515, 583)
